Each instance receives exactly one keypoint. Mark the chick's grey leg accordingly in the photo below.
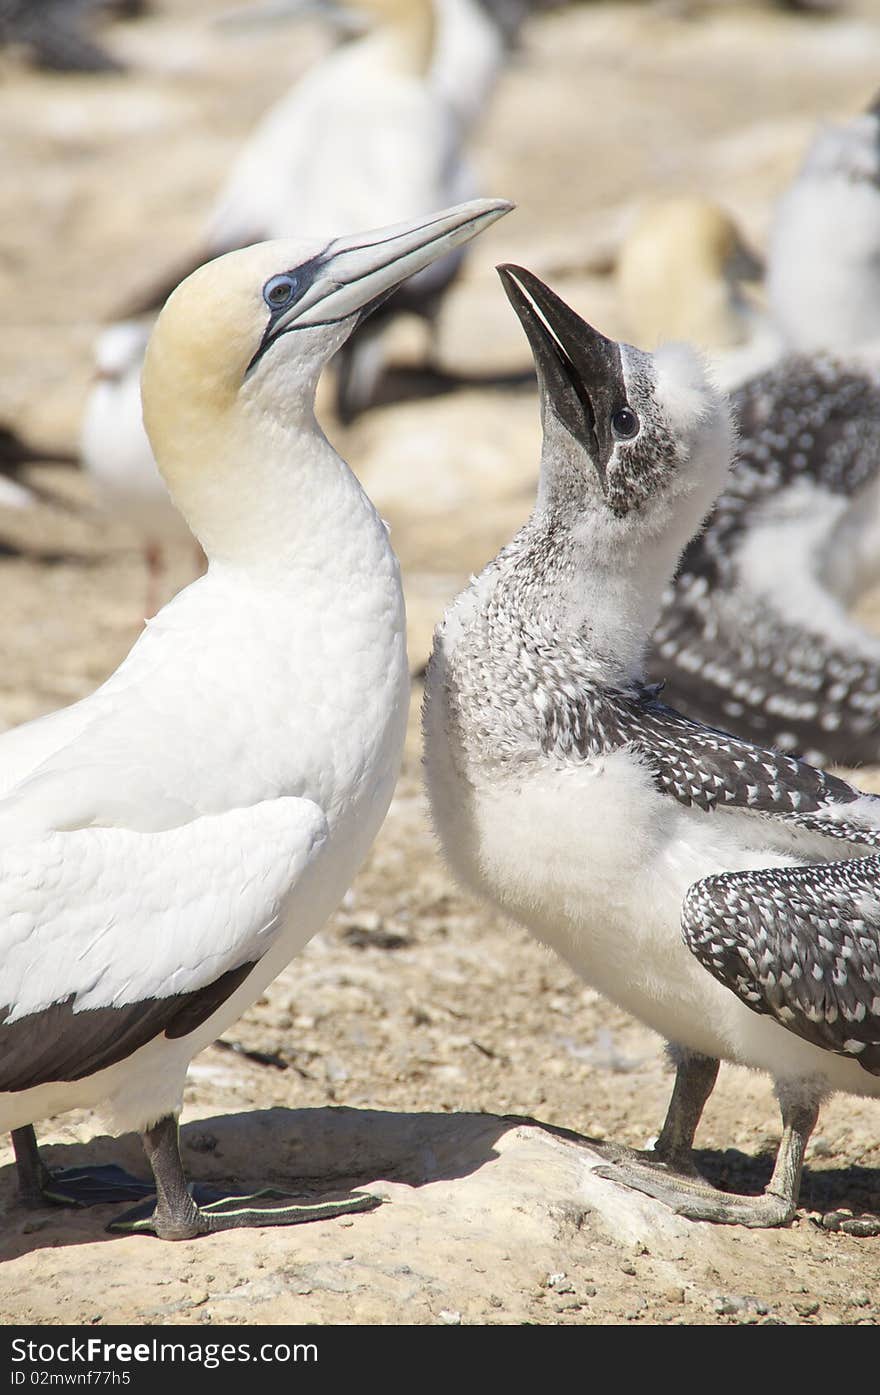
(699, 1202)
(695, 1077)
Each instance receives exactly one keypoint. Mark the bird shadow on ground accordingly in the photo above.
(321, 1153)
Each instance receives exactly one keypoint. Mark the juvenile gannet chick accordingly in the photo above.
(684, 272)
(693, 878)
(117, 456)
(823, 265)
(755, 633)
(169, 843)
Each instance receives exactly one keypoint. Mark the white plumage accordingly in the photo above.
(682, 872)
(200, 814)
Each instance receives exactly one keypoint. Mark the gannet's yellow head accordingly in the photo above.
(410, 24)
(250, 332)
(679, 273)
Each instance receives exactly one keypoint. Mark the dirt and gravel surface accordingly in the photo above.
(393, 1052)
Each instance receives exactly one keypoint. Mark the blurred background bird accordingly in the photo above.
(755, 635)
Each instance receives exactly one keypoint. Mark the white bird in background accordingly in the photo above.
(724, 894)
(361, 140)
(823, 259)
(169, 843)
(683, 269)
(117, 456)
(473, 45)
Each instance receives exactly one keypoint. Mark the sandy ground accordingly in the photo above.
(414, 1000)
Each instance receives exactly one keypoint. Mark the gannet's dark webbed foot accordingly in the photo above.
(699, 1202)
(181, 1212)
(40, 1186)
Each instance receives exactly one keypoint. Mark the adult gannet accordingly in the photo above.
(684, 271)
(169, 843)
(474, 40)
(720, 892)
(364, 137)
(361, 140)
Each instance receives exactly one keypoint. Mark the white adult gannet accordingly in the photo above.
(474, 40)
(693, 878)
(116, 453)
(685, 272)
(169, 843)
(360, 141)
(363, 138)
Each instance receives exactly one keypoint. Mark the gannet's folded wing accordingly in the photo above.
(109, 937)
(801, 944)
(709, 769)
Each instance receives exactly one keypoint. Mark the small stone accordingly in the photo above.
(807, 1309)
(33, 1225)
(495, 1301)
(450, 1318)
(627, 1267)
(589, 1290)
(554, 1280)
(737, 1303)
(346, 1221)
(672, 1295)
(832, 1220)
(860, 1299)
(302, 1289)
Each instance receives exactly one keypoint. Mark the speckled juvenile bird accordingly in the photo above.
(726, 895)
(755, 633)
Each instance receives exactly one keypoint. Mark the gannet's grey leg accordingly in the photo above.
(181, 1212)
(33, 1175)
(700, 1202)
(695, 1077)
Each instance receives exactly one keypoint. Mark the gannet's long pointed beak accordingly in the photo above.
(580, 372)
(355, 274)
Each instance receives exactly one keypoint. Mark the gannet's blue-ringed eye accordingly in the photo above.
(280, 290)
(624, 423)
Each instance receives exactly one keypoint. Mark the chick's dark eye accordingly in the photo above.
(279, 291)
(624, 422)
